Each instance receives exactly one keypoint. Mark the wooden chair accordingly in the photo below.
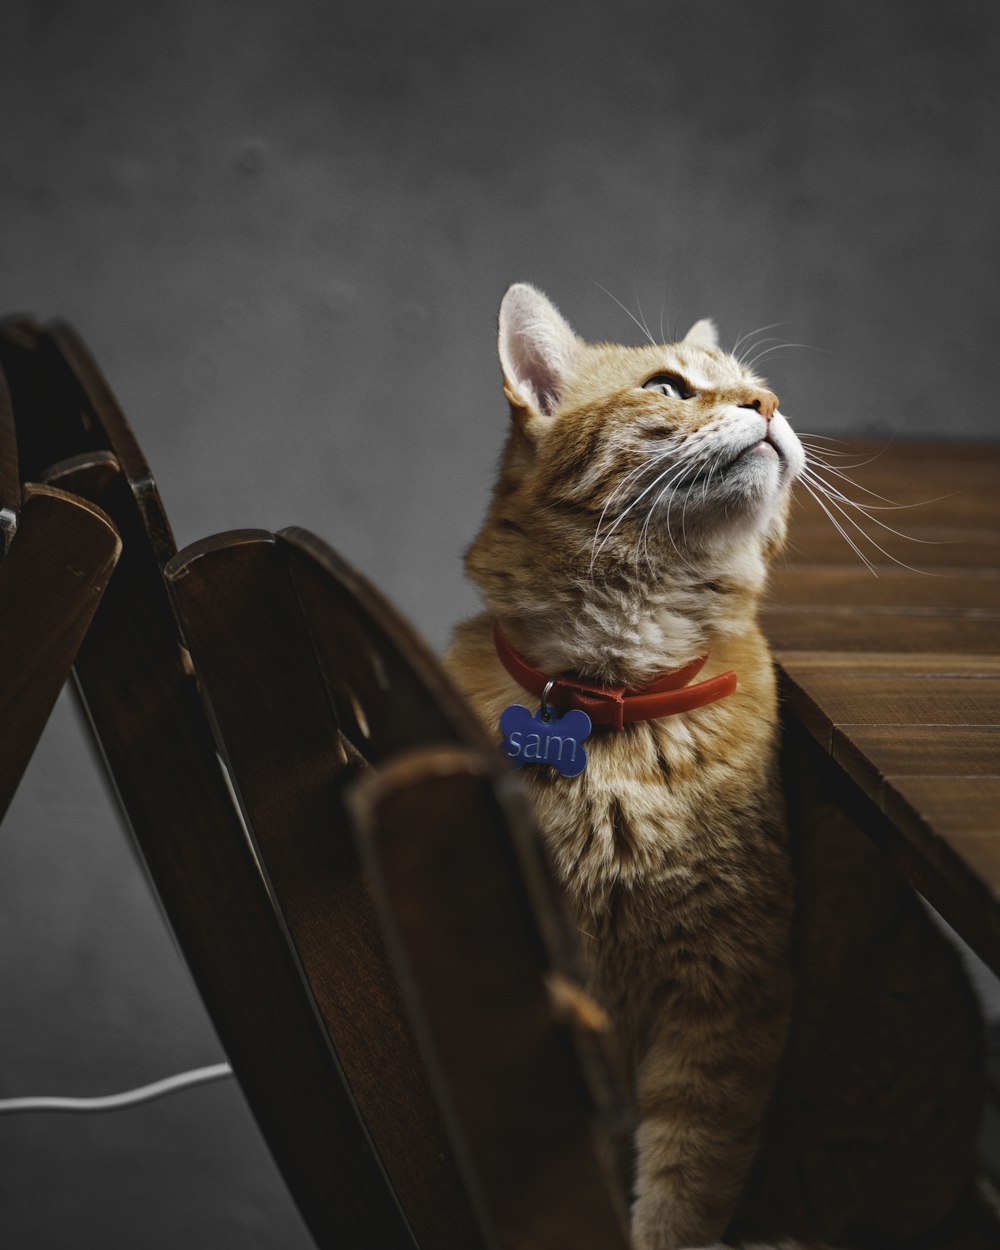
(137, 684)
(326, 694)
(313, 691)
(57, 554)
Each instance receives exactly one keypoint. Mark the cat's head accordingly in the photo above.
(675, 445)
(629, 472)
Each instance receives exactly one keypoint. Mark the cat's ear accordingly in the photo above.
(703, 334)
(536, 350)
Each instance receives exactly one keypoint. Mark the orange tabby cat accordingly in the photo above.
(641, 494)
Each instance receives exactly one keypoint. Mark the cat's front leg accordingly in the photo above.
(703, 1088)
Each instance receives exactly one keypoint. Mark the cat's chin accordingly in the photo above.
(760, 471)
(747, 496)
(755, 486)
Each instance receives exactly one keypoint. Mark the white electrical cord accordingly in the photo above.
(130, 1098)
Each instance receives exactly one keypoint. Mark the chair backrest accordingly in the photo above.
(276, 729)
(517, 1047)
(318, 687)
(141, 696)
(57, 554)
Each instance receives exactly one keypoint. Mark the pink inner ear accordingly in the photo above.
(535, 374)
(536, 345)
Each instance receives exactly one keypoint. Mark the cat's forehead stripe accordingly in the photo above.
(696, 379)
(695, 373)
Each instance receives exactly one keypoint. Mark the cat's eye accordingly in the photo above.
(668, 384)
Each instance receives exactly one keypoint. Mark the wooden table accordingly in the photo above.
(893, 681)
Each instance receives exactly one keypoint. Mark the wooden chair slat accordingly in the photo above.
(102, 420)
(243, 625)
(446, 844)
(388, 690)
(52, 578)
(56, 556)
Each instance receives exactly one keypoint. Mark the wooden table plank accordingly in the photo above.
(968, 504)
(891, 663)
(951, 806)
(961, 889)
(948, 499)
(929, 545)
(791, 629)
(922, 477)
(814, 587)
(871, 754)
(825, 701)
(980, 854)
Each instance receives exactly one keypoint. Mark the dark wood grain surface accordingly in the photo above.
(141, 697)
(895, 673)
(328, 692)
(389, 691)
(450, 850)
(241, 620)
(52, 578)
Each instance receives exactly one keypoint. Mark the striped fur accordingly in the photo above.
(630, 532)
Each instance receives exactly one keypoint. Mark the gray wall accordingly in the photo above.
(284, 230)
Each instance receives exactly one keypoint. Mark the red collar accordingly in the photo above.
(617, 706)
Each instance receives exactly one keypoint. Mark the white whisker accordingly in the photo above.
(745, 338)
(635, 475)
(868, 508)
(818, 453)
(625, 310)
(840, 529)
(810, 347)
(837, 498)
(838, 473)
(670, 503)
(644, 532)
(642, 315)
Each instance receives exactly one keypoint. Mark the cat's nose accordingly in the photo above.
(764, 402)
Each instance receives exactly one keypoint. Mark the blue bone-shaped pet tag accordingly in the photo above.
(557, 741)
